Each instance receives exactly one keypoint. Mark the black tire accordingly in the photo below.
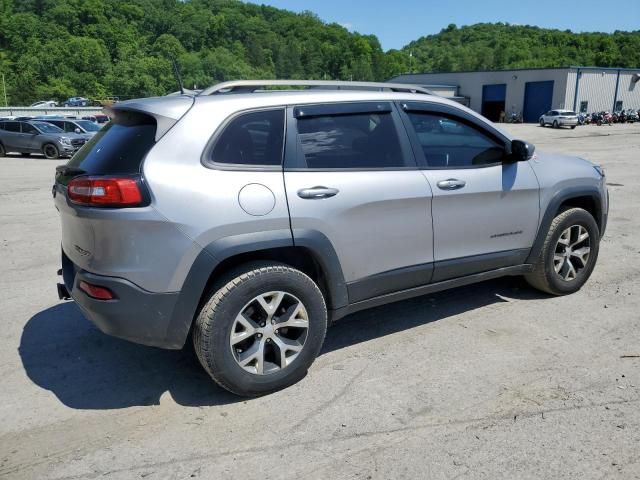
(3, 152)
(544, 276)
(50, 151)
(573, 127)
(213, 327)
(555, 124)
(541, 122)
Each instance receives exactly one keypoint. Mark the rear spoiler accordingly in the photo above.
(165, 110)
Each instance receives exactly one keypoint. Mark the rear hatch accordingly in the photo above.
(101, 194)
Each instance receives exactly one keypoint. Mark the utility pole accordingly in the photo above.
(411, 61)
(4, 86)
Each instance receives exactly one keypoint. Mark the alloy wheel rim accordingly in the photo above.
(572, 252)
(269, 333)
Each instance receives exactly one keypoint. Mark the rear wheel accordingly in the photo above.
(541, 122)
(261, 331)
(555, 124)
(50, 151)
(3, 152)
(573, 127)
(568, 255)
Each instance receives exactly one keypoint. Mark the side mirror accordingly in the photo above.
(521, 150)
(77, 130)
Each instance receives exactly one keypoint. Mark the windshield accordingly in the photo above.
(45, 127)
(88, 126)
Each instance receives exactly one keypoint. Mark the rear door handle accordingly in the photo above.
(451, 184)
(315, 193)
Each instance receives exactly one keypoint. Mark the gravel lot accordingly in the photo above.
(488, 381)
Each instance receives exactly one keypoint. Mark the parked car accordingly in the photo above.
(559, 118)
(84, 128)
(192, 214)
(77, 102)
(28, 137)
(101, 118)
(45, 104)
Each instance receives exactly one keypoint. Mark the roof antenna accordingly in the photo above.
(176, 72)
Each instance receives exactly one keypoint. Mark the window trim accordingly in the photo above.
(206, 158)
(456, 115)
(293, 162)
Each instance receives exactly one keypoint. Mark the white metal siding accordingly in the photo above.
(629, 91)
(598, 88)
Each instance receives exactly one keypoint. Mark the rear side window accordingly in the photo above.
(254, 138)
(451, 143)
(12, 127)
(119, 147)
(361, 141)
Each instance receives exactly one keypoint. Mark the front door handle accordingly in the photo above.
(451, 184)
(315, 193)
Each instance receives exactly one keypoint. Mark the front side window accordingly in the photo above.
(46, 127)
(362, 141)
(254, 139)
(451, 143)
(26, 128)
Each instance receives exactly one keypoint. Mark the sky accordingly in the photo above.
(398, 22)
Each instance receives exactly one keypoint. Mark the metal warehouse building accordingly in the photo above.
(535, 91)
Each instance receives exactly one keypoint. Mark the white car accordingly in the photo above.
(559, 118)
(45, 103)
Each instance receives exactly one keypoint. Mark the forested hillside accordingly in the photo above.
(501, 46)
(97, 48)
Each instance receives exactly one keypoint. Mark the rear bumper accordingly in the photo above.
(568, 121)
(134, 314)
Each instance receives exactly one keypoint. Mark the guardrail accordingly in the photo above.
(38, 111)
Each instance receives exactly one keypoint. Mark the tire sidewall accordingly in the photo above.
(3, 152)
(557, 284)
(50, 157)
(222, 363)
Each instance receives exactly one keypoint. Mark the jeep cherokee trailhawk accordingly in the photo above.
(246, 218)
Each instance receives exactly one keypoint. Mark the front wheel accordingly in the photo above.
(541, 122)
(261, 330)
(568, 255)
(50, 151)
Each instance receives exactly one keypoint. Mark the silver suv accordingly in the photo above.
(37, 137)
(247, 219)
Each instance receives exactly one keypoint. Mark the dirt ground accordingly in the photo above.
(488, 381)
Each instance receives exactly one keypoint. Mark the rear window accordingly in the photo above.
(119, 147)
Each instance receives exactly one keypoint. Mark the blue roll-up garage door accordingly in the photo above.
(537, 100)
(493, 97)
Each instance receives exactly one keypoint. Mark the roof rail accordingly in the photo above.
(249, 86)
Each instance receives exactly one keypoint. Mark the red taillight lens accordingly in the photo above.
(94, 291)
(105, 191)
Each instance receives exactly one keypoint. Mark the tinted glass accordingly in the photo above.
(119, 147)
(252, 139)
(26, 128)
(46, 127)
(87, 125)
(364, 140)
(451, 143)
(12, 127)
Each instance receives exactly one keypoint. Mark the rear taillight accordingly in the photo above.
(105, 191)
(94, 291)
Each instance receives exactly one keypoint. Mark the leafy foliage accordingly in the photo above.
(97, 48)
(495, 46)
